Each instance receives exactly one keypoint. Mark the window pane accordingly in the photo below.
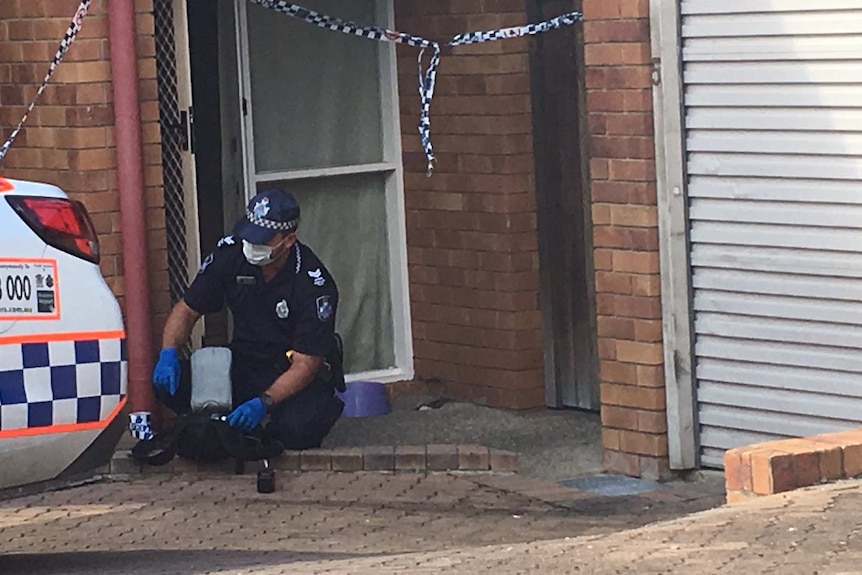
(316, 96)
(344, 222)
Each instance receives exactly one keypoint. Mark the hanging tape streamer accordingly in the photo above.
(517, 31)
(427, 78)
(68, 38)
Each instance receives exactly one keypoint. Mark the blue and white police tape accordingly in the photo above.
(427, 77)
(476, 38)
(68, 38)
(517, 31)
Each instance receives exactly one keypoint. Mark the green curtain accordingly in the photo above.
(344, 222)
(316, 94)
(316, 103)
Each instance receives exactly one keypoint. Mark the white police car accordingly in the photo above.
(63, 365)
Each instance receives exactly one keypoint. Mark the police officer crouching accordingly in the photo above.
(283, 299)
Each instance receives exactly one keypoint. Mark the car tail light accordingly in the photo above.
(61, 223)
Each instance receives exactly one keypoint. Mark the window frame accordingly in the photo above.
(391, 169)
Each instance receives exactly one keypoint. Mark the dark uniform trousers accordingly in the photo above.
(299, 422)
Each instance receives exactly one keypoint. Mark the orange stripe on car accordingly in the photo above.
(64, 428)
(71, 336)
(6, 185)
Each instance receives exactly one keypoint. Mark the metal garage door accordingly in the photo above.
(773, 119)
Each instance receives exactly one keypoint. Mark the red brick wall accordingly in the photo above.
(69, 138)
(619, 101)
(471, 227)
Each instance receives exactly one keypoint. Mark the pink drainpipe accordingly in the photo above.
(130, 177)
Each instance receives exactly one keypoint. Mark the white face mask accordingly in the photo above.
(257, 255)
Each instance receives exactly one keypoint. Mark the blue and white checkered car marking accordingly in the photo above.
(55, 384)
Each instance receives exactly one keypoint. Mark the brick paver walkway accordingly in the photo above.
(375, 523)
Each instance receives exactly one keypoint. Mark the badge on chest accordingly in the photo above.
(282, 310)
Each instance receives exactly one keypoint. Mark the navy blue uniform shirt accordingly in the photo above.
(294, 310)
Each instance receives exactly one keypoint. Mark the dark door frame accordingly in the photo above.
(563, 210)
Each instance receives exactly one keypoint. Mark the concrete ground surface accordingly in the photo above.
(417, 523)
(551, 444)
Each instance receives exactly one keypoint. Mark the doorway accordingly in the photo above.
(264, 116)
(215, 138)
(564, 225)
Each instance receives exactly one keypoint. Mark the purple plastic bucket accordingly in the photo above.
(365, 399)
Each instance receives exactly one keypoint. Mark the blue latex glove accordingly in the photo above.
(248, 415)
(166, 375)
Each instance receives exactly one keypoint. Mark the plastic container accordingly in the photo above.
(365, 399)
(211, 385)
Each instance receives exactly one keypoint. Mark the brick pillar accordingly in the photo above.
(69, 138)
(626, 237)
(472, 246)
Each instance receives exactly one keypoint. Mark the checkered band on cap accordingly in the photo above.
(270, 224)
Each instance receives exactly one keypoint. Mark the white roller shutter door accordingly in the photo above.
(773, 121)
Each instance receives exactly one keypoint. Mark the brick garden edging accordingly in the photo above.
(781, 466)
(381, 458)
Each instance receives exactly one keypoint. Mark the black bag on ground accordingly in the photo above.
(205, 437)
(201, 438)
